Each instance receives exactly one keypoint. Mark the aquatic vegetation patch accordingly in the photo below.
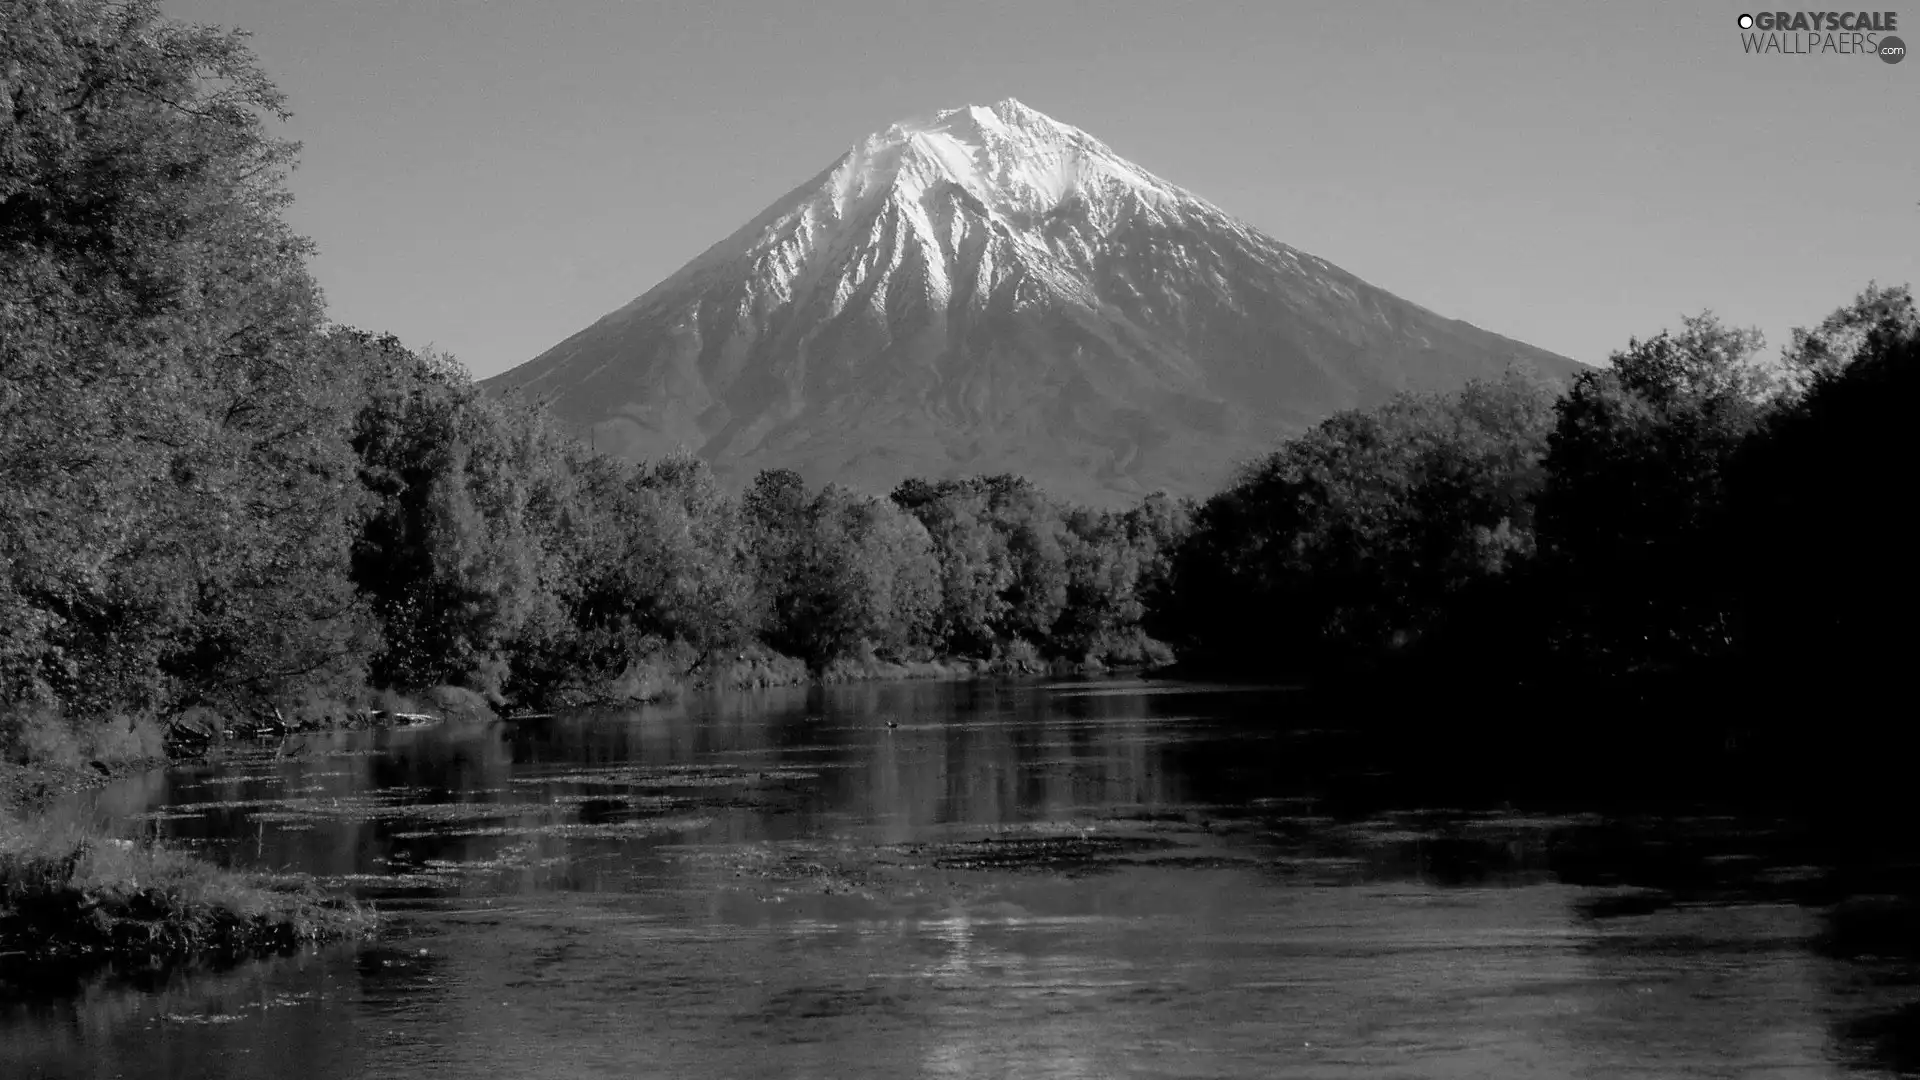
(424, 879)
(1520, 823)
(633, 802)
(670, 776)
(356, 809)
(228, 804)
(1082, 851)
(779, 871)
(1198, 862)
(622, 830)
(213, 1018)
(277, 1001)
(235, 779)
(70, 894)
(1042, 828)
(385, 806)
(439, 875)
(1318, 863)
(515, 858)
(1388, 835)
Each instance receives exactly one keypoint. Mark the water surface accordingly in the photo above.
(1099, 879)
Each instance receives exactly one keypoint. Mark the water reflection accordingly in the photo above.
(1063, 880)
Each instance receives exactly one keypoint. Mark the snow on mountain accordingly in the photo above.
(992, 290)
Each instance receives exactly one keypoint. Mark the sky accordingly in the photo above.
(489, 177)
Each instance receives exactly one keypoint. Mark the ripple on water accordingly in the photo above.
(620, 830)
(669, 776)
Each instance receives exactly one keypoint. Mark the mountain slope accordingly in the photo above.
(988, 291)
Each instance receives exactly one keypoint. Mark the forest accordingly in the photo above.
(213, 498)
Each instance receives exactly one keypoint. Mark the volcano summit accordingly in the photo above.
(991, 291)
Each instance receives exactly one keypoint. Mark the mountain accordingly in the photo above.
(994, 291)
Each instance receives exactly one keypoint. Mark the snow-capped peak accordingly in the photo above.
(912, 195)
(1013, 159)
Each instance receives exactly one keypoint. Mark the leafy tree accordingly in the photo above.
(1636, 467)
(660, 557)
(1871, 325)
(1118, 563)
(775, 516)
(1004, 572)
(466, 496)
(866, 579)
(1820, 532)
(169, 450)
(976, 569)
(706, 596)
(1356, 536)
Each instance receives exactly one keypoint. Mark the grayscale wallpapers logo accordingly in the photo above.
(1837, 33)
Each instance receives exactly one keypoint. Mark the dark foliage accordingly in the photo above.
(1685, 510)
(1817, 496)
(1361, 536)
(208, 495)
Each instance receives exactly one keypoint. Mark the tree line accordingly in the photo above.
(209, 494)
(1691, 506)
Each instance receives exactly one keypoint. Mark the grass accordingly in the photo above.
(69, 893)
(78, 893)
(42, 737)
(676, 670)
(874, 669)
(316, 711)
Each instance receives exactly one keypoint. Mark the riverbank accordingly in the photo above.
(27, 789)
(73, 896)
(79, 896)
(677, 672)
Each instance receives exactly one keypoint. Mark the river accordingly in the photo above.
(1066, 879)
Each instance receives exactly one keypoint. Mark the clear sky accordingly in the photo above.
(488, 177)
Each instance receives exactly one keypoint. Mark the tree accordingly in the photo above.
(976, 570)
(865, 579)
(1872, 324)
(1118, 565)
(1004, 574)
(775, 517)
(1825, 582)
(467, 501)
(1358, 536)
(705, 597)
(1636, 470)
(169, 436)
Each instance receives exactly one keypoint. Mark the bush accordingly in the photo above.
(40, 736)
(312, 708)
(126, 739)
(458, 703)
(43, 737)
(662, 674)
(203, 719)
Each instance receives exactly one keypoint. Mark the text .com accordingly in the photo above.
(1807, 33)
